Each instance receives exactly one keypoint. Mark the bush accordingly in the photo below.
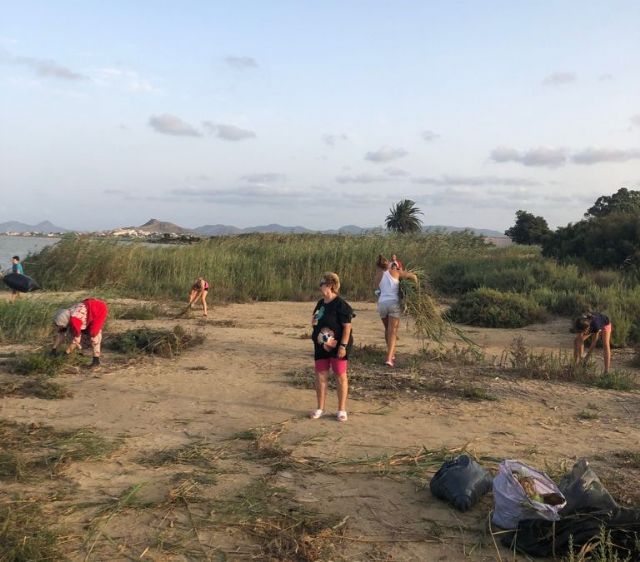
(493, 309)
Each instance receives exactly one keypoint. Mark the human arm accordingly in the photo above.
(344, 341)
(594, 341)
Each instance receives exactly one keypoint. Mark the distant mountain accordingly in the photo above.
(477, 231)
(44, 226)
(162, 227)
(350, 229)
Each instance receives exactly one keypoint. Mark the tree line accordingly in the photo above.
(607, 237)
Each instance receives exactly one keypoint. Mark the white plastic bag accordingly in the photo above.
(512, 502)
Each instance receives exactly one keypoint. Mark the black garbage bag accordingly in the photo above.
(538, 537)
(21, 283)
(584, 492)
(461, 482)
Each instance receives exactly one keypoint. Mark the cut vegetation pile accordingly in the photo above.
(165, 343)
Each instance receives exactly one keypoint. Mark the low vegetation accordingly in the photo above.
(162, 342)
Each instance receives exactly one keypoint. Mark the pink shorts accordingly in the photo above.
(608, 328)
(338, 366)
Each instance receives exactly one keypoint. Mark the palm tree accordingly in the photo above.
(403, 217)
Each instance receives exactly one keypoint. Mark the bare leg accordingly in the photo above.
(321, 388)
(342, 385)
(392, 329)
(578, 348)
(606, 345)
(203, 297)
(193, 295)
(385, 322)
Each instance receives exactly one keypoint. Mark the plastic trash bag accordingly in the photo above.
(584, 492)
(621, 529)
(521, 492)
(461, 482)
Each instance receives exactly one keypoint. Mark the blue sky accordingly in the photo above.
(317, 114)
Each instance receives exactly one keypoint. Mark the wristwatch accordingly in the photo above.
(343, 345)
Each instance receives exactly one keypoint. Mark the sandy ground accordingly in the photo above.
(235, 381)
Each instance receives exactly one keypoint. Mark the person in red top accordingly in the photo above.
(86, 317)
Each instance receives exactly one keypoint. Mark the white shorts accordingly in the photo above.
(389, 308)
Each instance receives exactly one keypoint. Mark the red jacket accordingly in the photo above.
(97, 312)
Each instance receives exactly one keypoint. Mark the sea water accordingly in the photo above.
(21, 246)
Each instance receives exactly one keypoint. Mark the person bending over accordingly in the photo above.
(86, 317)
(595, 326)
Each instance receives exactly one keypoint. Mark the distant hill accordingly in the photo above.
(162, 227)
(44, 226)
(478, 231)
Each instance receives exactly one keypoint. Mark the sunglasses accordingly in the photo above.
(323, 283)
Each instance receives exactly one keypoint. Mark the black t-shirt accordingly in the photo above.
(597, 322)
(331, 315)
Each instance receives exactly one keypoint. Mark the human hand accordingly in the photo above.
(342, 352)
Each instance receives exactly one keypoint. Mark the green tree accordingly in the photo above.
(528, 229)
(622, 201)
(403, 217)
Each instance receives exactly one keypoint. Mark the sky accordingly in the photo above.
(317, 114)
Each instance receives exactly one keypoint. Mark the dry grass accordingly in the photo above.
(32, 451)
(165, 343)
(25, 533)
(36, 388)
(283, 530)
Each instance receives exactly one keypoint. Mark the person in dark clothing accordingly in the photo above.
(595, 326)
(332, 341)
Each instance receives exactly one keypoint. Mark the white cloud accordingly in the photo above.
(635, 120)
(385, 154)
(172, 125)
(269, 177)
(396, 172)
(362, 178)
(241, 62)
(124, 78)
(228, 132)
(46, 68)
(590, 156)
(244, 195)
(559, 78)
(331, 140)
(542, 156)
(447, 180)
(430, 136)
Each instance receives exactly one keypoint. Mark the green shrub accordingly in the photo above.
(493, 309)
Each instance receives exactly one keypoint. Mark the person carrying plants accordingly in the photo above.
(16, 267)
(595, 326)
(388, 291)
(199, 291)
(84, 318)
(332, 343)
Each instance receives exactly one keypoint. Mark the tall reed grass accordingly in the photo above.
(287, 267)
(240, 268)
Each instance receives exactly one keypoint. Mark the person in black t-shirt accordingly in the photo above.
(596, 325)
(332, 342)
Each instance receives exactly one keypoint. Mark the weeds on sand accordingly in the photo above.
(522, 362)
(364, 381)
(265, 444)
(602, 549)
(31, 450)
(43, 363)
(283, 529)
(165, 343)
(25, 533)
(38, 388)
(586, 415)
(197, 453)
(25, 320)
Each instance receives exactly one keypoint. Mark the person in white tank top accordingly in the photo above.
(387, 288)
